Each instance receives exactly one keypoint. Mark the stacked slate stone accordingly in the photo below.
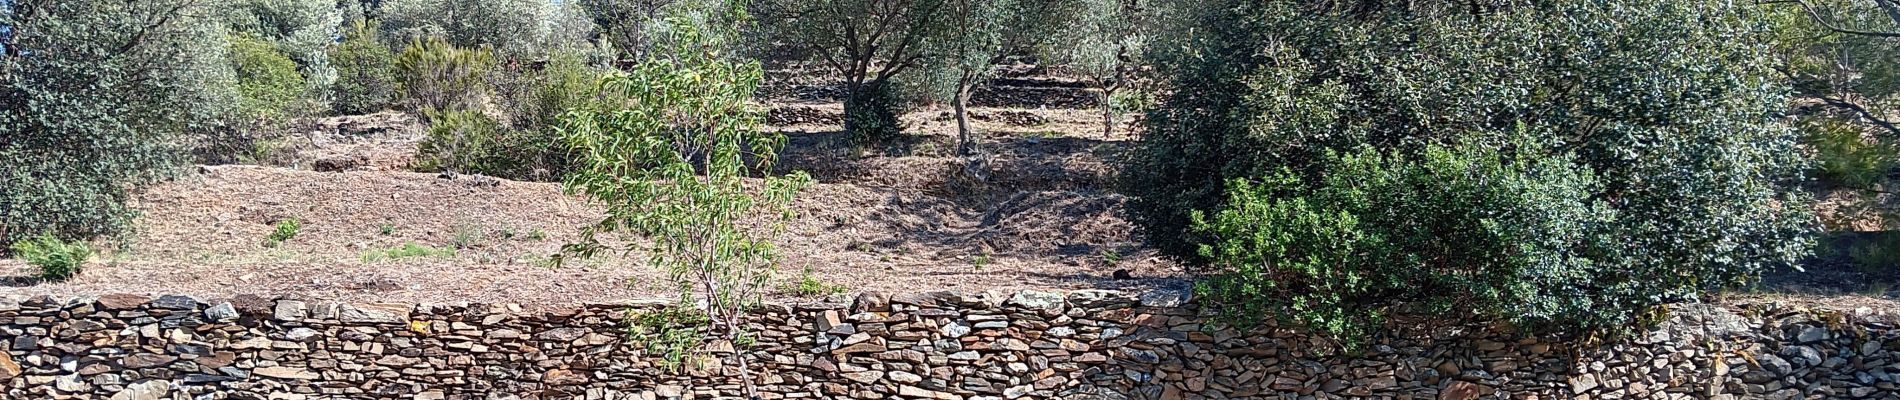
(961, 346)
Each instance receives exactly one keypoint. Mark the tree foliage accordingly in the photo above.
(624, 23)
(1106, 41)
(269, 87)
(513, 29)
(970, 37)
(526, 146)
(1453, 231)
(96, 100)
(1670, 106)
(1838, 56)
(302, 29)
(670, 164)
(866, 43)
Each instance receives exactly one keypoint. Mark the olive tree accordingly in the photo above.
(1105, 42)
(513, 29)
(1839, 53)
(1644, 138)
(97, 99)
(971, 37)
(302, 29)
(670, 165)
(866, 43)
(624, 23)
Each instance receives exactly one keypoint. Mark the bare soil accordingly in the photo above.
(880, 219)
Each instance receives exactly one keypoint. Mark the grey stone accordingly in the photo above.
(956, 329)
(561, 334)
(301, 334)
(904, 377)
(286, 373)
(1802, 356)
(1582, 383)
(221, 312)
(1811, 334)
(290, 310)
(146, 360)
(175, 302)
(1165, 298)
(1037, 300)
(373, 313)
(1774, 364)
(147, 390)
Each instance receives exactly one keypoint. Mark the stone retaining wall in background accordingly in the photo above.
(970, 346)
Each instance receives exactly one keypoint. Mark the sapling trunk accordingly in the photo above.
(966, 139)
(1108, 114)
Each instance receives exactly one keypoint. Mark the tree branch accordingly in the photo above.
(1830, 24)
(139, 38)
(1864, 113)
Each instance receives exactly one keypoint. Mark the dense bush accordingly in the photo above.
(96, 102)
(463, 141)
(433, 75)
(56, 259)
(366, 80)
(1459, 231)
(1670, 106)
(269, 87)
(871, 114)
(525, 145)
(624, 24)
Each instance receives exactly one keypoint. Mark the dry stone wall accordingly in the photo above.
(968, 346)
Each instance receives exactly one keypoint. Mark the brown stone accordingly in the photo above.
(1459, 390)
(146, 360)
(562, 377)
(8, 368)
(217, 360)
(286, 373)
(1172, 393)
(869, 346)
(122, 301)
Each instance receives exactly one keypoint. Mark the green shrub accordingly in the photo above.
(365, 69)
(56, 259)
(284, 230)
(97, 102)
(1882, 254)
(808, 284)
(1461, 231)
(433, 75)
(303, 30)
(518, 29)
(1668, 107)
(269, 86)
(1845, 156)
(406, 250)
(534, 150)
(871, 115)
(465, 141)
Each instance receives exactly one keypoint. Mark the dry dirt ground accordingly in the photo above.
(881, 219)
(892, 218)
